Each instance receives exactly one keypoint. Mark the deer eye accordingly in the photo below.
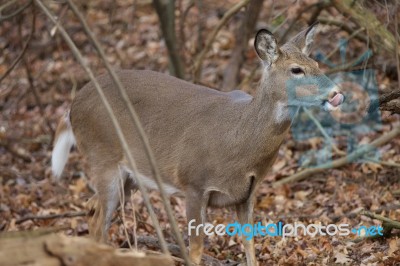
(297, 70)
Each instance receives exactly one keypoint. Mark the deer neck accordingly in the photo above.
(267, 119)
(269, 106)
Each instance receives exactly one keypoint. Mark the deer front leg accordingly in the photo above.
(196, 207)
(245, 215)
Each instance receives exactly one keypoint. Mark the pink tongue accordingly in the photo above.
(337, 100)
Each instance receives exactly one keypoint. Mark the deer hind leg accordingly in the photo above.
(105, 201)
(130, 185)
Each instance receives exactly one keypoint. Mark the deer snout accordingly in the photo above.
(335, 98)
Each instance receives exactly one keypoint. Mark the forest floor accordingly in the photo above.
(132, 39)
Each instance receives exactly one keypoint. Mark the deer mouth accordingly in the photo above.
(334, 102)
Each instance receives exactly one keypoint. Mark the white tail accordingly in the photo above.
(212, 146)
(63, 142)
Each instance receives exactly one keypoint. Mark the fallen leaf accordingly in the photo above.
(393, 246)
(342, 258)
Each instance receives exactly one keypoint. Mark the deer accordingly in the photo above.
(214, 147)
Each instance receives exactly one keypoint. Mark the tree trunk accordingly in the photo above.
(166, 13)
(242, 35)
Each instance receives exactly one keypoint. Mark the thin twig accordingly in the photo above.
(121, 193)
(296, 20)
(323, 132)
(397, 46)
(379, 35)
(387, 224)
(392, 223)
(16, 61)
(321, 5)
(353, 213)
(200, 25)
(33, 233)
(344, 27)
(51, 216)
(7, 4)
(346, 67)
(16, 12)
(396, 192)
(30, 78)
(391, 164)
(198, 62)
(347, 39)
(363, 150)
(243, 32)
(114, 120)
(135, 120)
(182, 20)
(134, 230)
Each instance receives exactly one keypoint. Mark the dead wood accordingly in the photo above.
(56, 250)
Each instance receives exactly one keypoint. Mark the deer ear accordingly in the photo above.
(305, 39)
(266, 46)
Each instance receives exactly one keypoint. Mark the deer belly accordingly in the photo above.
(220, 199)
(150, 183)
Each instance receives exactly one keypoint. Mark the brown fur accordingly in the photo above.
(61, 127)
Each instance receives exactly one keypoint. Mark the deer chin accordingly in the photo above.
(333, 103)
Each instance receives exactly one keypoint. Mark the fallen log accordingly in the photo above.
(50, 249)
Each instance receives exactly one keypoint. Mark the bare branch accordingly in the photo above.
(198, 62)
(392, 223)
(390, 164)
(182, 21)
(51, 216)
(7, 4)
(242, 35)
(115, 122)
(379, 35)
(30, 78)
(344, 27)
(19, 57)
(323, 132)
(16, 12)
(342, 161)
(143, 137)
(296, 19)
